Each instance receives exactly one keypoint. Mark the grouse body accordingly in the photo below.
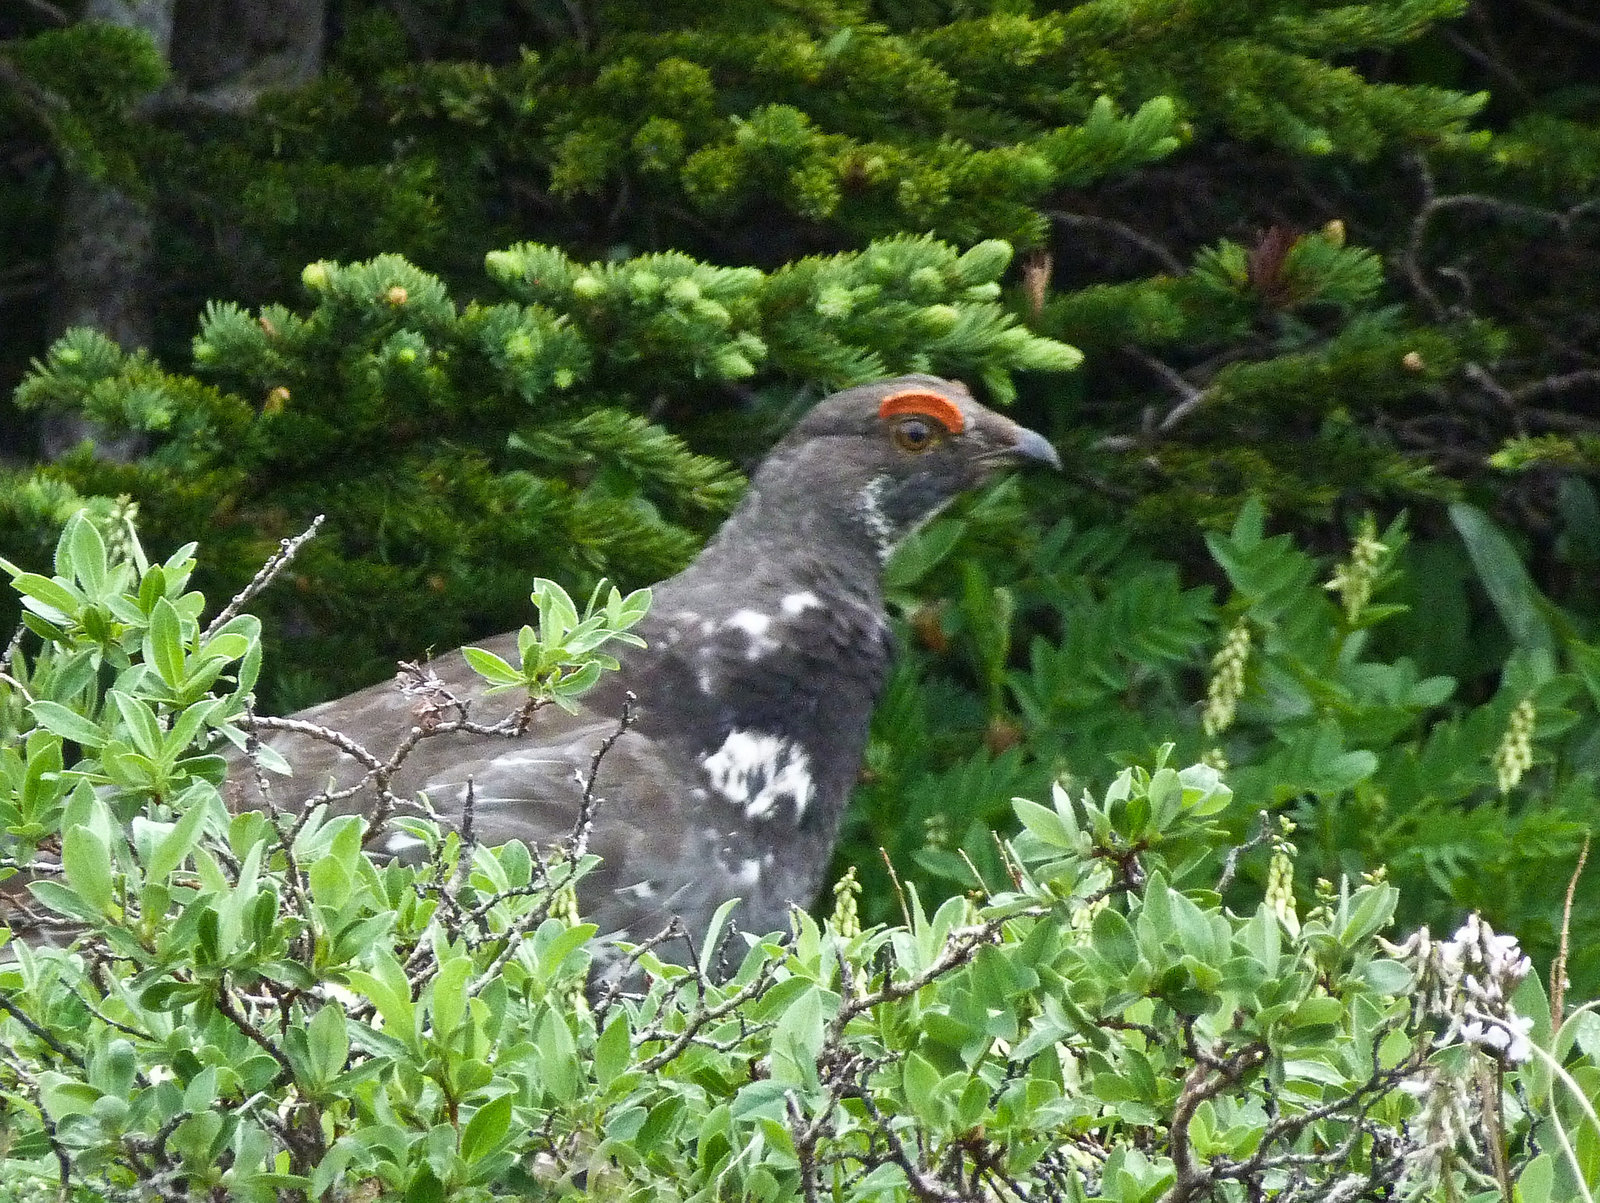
(762, 663)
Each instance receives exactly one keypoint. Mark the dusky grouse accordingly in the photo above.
(763, 661)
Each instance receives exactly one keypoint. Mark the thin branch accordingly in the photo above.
(697, 1019)
(1231, 865)
(1192, 397)
(894, 879)
(42, 103)
(577, 842)
(1432, 204)
(1202, 1083)
(1588, 378)
(13, 645)
(46, 1124)
(225, 1008)
(1091, 221)
(287, 550)
(39, 1033)
(299, 726)
(8, 679)
(923, 1184)
(1566, 20)
(1558, 971)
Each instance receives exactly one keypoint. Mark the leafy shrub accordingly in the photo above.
(1416, 707)
(252, 1004)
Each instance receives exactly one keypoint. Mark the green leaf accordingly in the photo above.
(612, 1050)
(163, 642)
(1166, 797)
(88, 553)
(921, 1084)
(332, 1165)
(1516, 598)
(48, 598)
(176, 844)
(1044, 823)
(713, 934)
(579, 681)
(328, 1040)
(68, 724)
(87, 862)
(141, 723)
(1114, 939)
(1319, 1011)
(63, 901)
(388, 990)
(449, 995)
(558, 1058)
(486, 1129)
(557, 614)
(491, 667)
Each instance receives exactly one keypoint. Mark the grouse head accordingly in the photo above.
(867, 466)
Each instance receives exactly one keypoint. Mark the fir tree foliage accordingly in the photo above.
(79, 84)
(514, 428)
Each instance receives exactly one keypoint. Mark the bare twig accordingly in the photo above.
(1558, 16)
(1432, 204)
(697, 1019)
(18, 686)
(1558, 971)
(229, 1011)
(1091, 221)
(577, 842)
(623, 969)
(1230, 866)
(12, 646)
(40, 1034)
(1192, 398)
(1588, 378)
(56, 13)
(287, 550)
(899, 890)
(1203, 1082)
(47, 1125)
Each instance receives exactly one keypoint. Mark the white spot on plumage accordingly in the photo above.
(755, 626)
(644, 891)
(749, 873)
(679, 625)
(795, 604)
(758, 771)
(883, 531)
(751, 622)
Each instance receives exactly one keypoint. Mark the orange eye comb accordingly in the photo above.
(925, 404)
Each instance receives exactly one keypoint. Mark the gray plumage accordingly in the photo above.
(763, 660)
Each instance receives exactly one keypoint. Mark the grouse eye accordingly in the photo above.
(914, 434)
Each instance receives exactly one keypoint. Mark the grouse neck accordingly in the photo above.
(808, 537)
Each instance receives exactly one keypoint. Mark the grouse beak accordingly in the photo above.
(1032, 446)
